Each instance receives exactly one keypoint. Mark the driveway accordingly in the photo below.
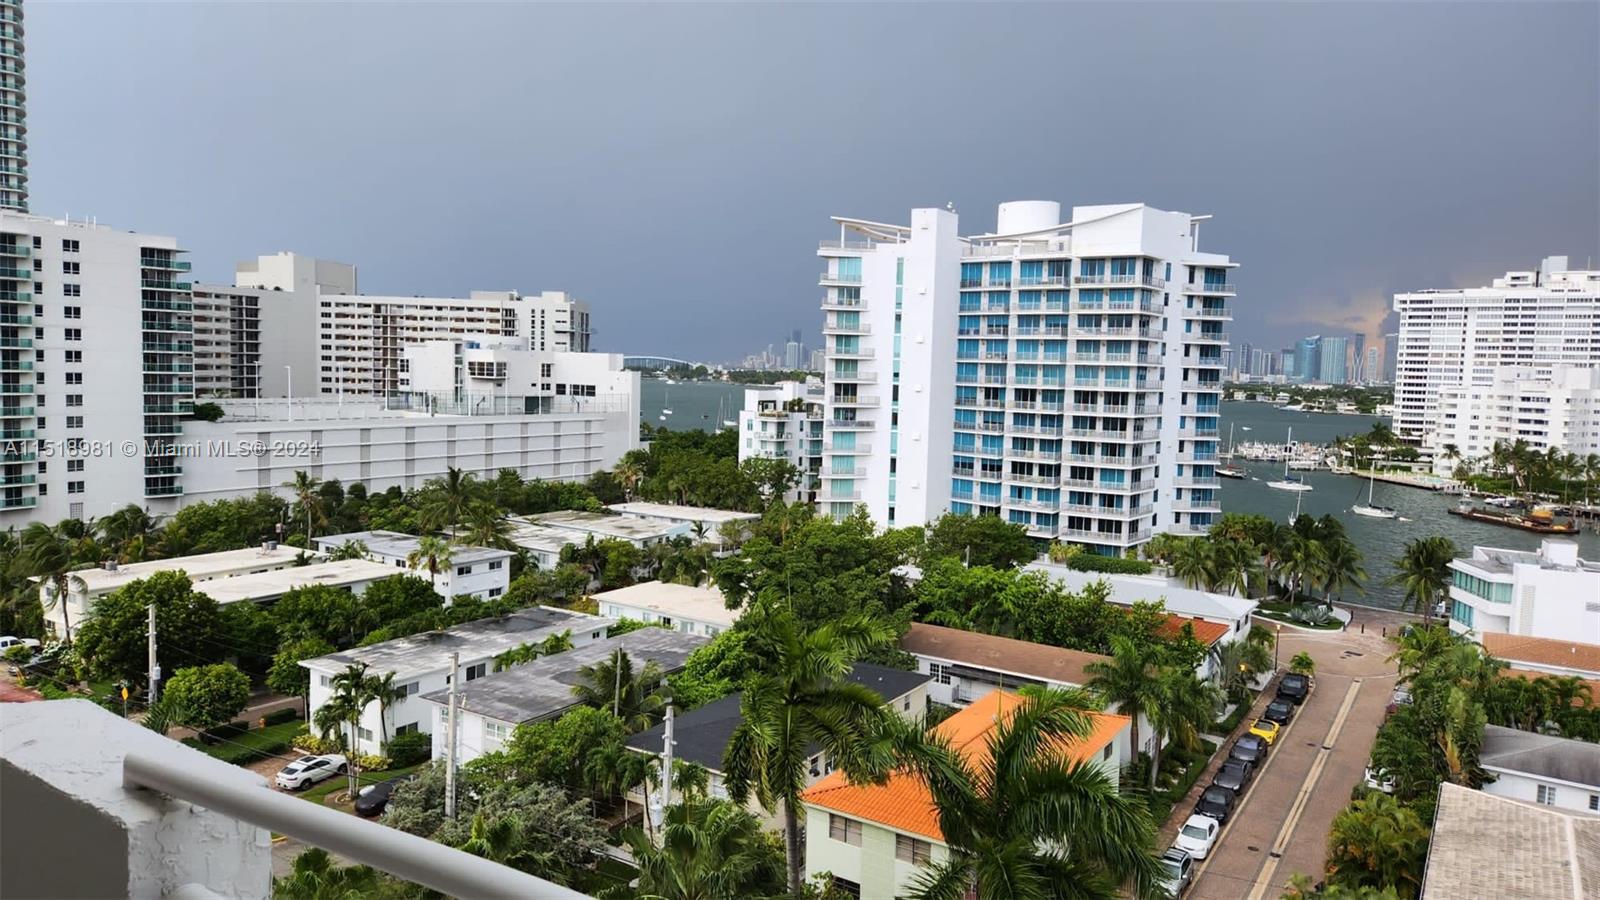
(1281, 825)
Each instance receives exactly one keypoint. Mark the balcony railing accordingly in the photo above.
(1213, 287)
(839, 278)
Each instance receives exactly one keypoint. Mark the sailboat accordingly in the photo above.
(1289, 482)
(1369, 510)
(1294, 516)
(1230, 470)
(666, 397)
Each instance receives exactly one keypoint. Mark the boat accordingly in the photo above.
(1541, 520)
(1227, 452)
(1289, 482)
(1246, 428)
(1232, 472)
(1369, 509)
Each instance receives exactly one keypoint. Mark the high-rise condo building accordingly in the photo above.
(1372, 367)
(1456, 338)
(1557, 406)
(1334, 351)
(1308, 358)
(13, 110)
(785, 422)
(1062, 374)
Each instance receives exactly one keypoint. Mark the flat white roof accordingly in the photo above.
(268, 585)
(680, 601)
(682, 513)
(1127, 590)
(540, 537)
(199, 567)
(398, 545)
(628, 528)
(430, 651)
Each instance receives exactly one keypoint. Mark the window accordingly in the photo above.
(407, 728)
(846, 887)
(74, 487)
(72, 312)
(74, 378)
(911, 850)
(495, 734)
(364, 734)
(495, 592)
(409, 688)
(73, 465)
(72, 290)
(496, 565)
(74, 356)
(1547, 795)
(939, 672)
(463, 570)
(68, 246)
(74, 421)
(324, 680)
(477, 671)
(75, 399)
(1594, 802)
(74, 334)
(1106, 753)
(906, 705)
(846, 830)
(69, 268)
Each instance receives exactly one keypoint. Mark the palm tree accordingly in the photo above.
(708, 850)
(308, 498)
(447, 503)
(1129, 683)
(800, 699)
(1007, 812)
(45, 552)
(386, 693)
(1377, 841)
(1419, 647)
(349, 550)
(129, 529)
(431, 553)
(629, 473)
(612, 684)
(485, 527)
(1423, 570)
(1237, 663)
(1238, 566)
(1341, 569)
(352, 691)
(1192, 563)
(499, 840)
(1189, 706)
(315, 877)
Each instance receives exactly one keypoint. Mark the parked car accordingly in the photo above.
(308, 770)
(373, 799)
(1280, 711)
(1400, 697)
(1249, 748)
(1177, 868)
(1294, 688)
(1235, 775)
(1197, 836)
(1379, 780)
(7, 642)
(1216, 802)
(1266, 729)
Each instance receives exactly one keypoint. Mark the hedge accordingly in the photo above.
(410, 748)
(1111, 565)
(282, 716)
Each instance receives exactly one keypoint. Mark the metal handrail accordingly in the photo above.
(403, 855)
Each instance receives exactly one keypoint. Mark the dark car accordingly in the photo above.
(1234, 775)
(1280, 710)
(372, 801)
(1216, 802)
(1250, 749)
(1294, 688)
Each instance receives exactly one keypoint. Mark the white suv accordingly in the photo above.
(308, 770)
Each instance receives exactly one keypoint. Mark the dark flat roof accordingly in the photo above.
(703, 733)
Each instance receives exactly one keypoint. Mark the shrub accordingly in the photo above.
(310, 743)
(281, 716)
(371, 763)
(1312, 614)
(410, 748)
(1111, 565)
(207, 412)
(1060, 553)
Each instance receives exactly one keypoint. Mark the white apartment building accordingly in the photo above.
(680, 607)
(707, 520)
(1541, 768)
(420, 663)
(1457, 339)
(1063, 374)
(13, 110)
(96, 368)
(785, 422)
(1550, 593)
(1555, 406)
(480, 572)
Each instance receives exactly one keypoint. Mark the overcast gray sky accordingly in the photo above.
(675, 165)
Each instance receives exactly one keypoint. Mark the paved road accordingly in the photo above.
(1281, 826)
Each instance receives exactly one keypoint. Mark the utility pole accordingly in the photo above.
(155, 668)
(450, 741)
(663, 799)
(616, 692)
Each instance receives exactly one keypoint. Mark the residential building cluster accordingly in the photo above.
(1064, 374)
(1317, 359)
(784, 422)
(1551, 592)
(789, 355)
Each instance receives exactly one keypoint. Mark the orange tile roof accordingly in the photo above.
(1207, 633)
(903, 802)
(1543, 651)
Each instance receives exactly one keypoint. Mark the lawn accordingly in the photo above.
(254, 744)
(321, 791)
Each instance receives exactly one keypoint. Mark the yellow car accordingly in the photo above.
(1266, 729)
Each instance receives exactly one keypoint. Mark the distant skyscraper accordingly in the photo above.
(1286, 364)
(791, 355)
(1241, 359)
(1358, 357)
(1307, 357)
(1391, 347)
(1371, 368)
(13, 110)
(1334, 350)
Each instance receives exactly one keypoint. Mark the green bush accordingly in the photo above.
(310, 743)
(281, 716)
(410, 748)
(1111, 565)
(230, 730)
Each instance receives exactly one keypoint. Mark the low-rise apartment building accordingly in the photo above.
(1126, 590)
(681, 607)
(1551, 592)
(876, 839)
(582, 525)
(1489, 846)
(479, 572)
(704, 524)
(784, 422)
(1541, 768)
(420, 663)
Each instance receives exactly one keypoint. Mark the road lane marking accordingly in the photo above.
(1264, 877)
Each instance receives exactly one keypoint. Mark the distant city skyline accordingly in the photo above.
(1332, 199)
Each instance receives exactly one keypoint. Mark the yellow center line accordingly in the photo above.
(1264, 878)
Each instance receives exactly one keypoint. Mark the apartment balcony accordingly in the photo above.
(16, 412)
(1205, 337)
(16, 297)
(1050, 480)
(23, 250)
(1198, 431)
(166, 305)
(850, 424)
(836, 328)
(839, 496)
(1183, 503)
(857, 400)
(16, 343)
(1203, 313)
(1054, 330)
(1104, 487)
(1197, 481)
(169, 408)
(19, 503)
(153, 470)
(163, 490)
(1045, 505)
(857, 353)
(16, 434)
(842, 303)
(152, 284)
(1050, 455)
(1048, 430)
(980, 426)
(829, 279)
(169, 821)
(1201, 456)
(993, 379)
(860, 376)
(1188, 529)
(1217, 288)
(175, 347)
(845, 247)
(16, 365)
(18, 457)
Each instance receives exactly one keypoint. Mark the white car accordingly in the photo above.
(1379, 780)
(308, 770)
(1197, 835)
(7, 642)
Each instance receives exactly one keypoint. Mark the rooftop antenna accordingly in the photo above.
(950, 205)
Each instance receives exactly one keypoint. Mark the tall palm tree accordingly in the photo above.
(45, 552)
(1129, 683)
(431, 553)
(129, 529)
(484, 526)
(352, 691)
(797, 700)
(349, 550)
(1423, 570)
(1341, 568)
(612, 684)
(385, 693)
(1007, 812)
(1238, 566)
(629, 473)
(316, 877)
(1192, 563)
(708, 850)
(1419, 647)
(1377, 841)
(447, 503)
(305, 486)
(1238, 663)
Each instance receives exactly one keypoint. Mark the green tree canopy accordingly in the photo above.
(207, 696)
(189, 629)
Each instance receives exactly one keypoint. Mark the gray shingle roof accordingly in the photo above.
(1564, 759)
(1492, 847)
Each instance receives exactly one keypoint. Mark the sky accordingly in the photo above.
(675, 165)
